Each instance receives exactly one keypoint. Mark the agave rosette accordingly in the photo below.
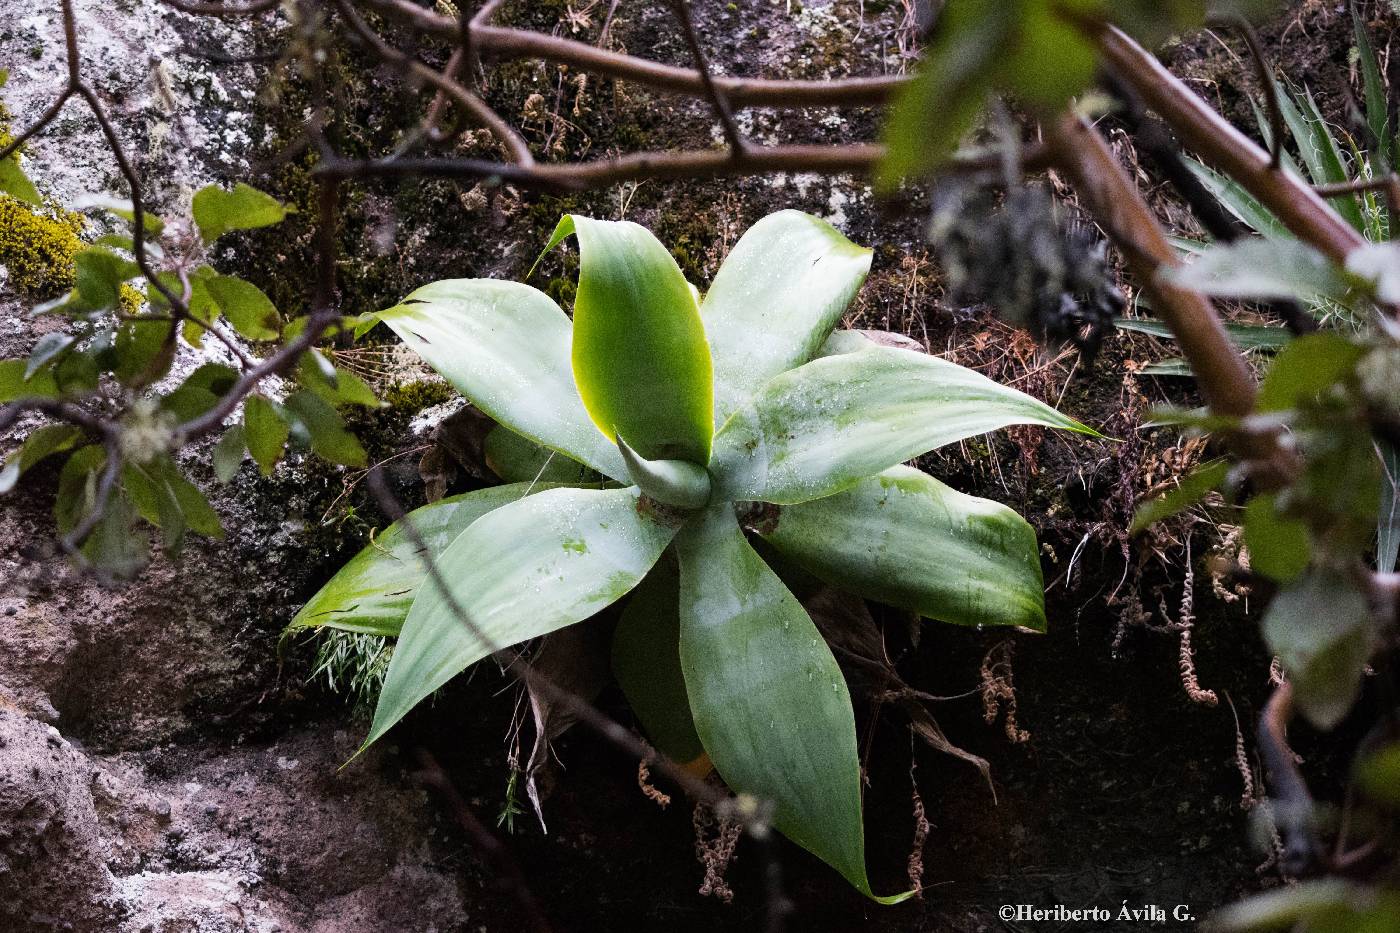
(702, 413)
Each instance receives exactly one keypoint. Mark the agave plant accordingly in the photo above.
(704, 416)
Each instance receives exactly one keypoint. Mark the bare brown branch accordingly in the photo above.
(508, 43)
(464, 99)
(575, 176)
(1118, 206)
(1296, 205)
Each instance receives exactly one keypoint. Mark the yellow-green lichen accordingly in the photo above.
(416, 396)
(131, 299)
(37, 247)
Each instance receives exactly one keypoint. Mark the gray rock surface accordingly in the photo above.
(129, 801)
(255, 839)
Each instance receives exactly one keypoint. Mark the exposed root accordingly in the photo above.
(1185, 621)
(1275, 858)
(1248, 800)
(1189, 681)
(999, 691)
(650, 791)
(1131, 614)
(1229, 554)
(715, 840)
(921, 830)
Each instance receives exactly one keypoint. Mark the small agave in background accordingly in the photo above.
(702, 415)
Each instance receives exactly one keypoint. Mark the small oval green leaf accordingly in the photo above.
(265, 431)
(217, 211)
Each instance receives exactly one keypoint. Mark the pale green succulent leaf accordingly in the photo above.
(676, 483)
(639, 353)
(646, 661)
(770, 704)
(905, 539)
(517, 459)
(853, 341)
(776, 297)
(521, 571)
(373, 592)
(505, 346)
(823, 427)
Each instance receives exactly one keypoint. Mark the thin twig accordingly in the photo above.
(506, 870)
(636, 166)
(718, 102)
(510, 43)
(34, 128)
(1389, 184)
(1245, 28)
(64, 411)
(470, 103)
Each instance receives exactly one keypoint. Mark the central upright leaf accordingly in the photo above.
(640, 357)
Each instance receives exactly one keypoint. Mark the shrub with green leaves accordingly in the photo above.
(706, 416)
(124, 335)
(1032, 51)
(1327, 391)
